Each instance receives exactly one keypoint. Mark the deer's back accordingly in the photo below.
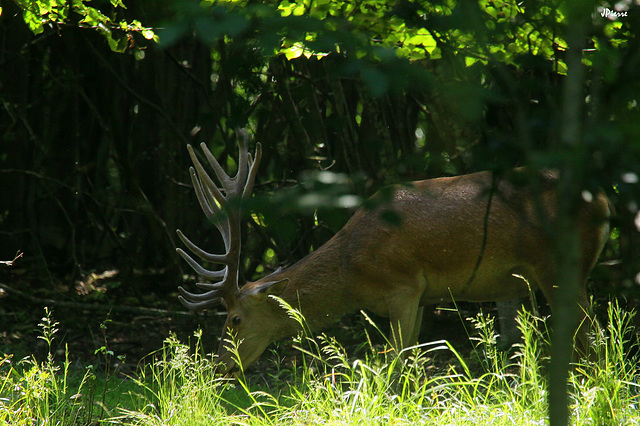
(456, 236)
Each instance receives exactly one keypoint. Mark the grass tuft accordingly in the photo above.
(45, 393)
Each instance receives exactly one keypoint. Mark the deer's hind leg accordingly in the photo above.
(547, 282)
(507, 314)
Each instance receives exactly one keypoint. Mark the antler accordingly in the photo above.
(215, 207)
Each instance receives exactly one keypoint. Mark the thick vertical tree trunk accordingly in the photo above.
(565, 318)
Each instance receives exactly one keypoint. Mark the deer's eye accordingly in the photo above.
(236, 320)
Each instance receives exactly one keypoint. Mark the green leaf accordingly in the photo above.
(118, 44)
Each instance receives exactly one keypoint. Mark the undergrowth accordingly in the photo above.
(178, 385)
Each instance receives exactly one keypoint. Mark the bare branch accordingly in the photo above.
(10, 262)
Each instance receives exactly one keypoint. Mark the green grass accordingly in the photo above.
(45, 393)
(177, 386)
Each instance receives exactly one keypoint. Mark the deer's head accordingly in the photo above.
(254, 319)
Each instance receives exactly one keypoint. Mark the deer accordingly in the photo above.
(474, 238)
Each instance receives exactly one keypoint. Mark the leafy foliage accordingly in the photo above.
(56, 13)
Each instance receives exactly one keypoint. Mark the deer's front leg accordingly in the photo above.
(417, 326)
(406, 318)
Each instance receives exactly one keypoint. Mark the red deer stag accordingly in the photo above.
(465, 238)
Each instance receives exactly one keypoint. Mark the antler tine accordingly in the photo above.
(244, 160)
(211, 198)
(253, 170)
(197, 306)
(215, 258)
(199, 269)
(214, 204)
(198, 297)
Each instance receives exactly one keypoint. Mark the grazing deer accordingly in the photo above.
(464, 238)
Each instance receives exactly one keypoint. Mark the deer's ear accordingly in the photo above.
(270, 288)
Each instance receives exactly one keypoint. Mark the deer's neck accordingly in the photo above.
(318, 286)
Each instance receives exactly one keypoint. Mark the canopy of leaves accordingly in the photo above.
(56, 13)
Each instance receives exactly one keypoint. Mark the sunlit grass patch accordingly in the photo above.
(178, 384)
(607, 390)
(45, 392)
(330, 387)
